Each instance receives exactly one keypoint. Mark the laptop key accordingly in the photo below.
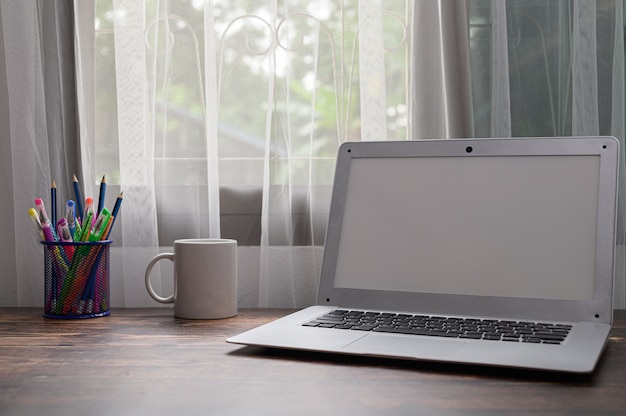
(363, 327)
(444, 334)
(326, 321)
(549, 336)
(384, 328)
(471, 335)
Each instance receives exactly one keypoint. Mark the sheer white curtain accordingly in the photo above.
(222, 118)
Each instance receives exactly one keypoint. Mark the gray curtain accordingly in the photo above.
(38, 127)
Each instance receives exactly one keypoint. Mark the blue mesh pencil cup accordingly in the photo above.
(76, 279)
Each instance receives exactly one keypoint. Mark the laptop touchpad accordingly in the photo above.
(405, 346)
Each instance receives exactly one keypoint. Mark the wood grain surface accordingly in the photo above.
(146, 362)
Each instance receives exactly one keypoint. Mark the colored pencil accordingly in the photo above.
(116, 209)
(79, 199)
(103, 191)
(53, 202)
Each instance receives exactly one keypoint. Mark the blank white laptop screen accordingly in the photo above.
(506, 226)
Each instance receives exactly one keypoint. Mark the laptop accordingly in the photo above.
(494, 252)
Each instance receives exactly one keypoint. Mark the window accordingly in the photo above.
(287, 93)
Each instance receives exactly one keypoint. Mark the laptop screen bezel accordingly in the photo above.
(597, 310)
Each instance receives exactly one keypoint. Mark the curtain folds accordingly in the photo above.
(39, 137)
(442, 87)
(223, 118)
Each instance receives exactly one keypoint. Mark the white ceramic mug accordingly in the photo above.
(205, 278)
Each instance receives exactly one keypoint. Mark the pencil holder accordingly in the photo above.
(76, 277)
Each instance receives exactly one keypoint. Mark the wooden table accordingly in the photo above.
(144, 361)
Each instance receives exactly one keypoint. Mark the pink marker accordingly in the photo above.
(64, 231)
(41, 211)
(65, 236)
(47, 231)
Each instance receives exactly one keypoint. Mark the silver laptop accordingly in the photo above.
(490, 251)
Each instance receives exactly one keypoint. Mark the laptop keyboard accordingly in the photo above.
(441, 326)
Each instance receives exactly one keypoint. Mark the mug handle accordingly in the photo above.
(153, 294)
